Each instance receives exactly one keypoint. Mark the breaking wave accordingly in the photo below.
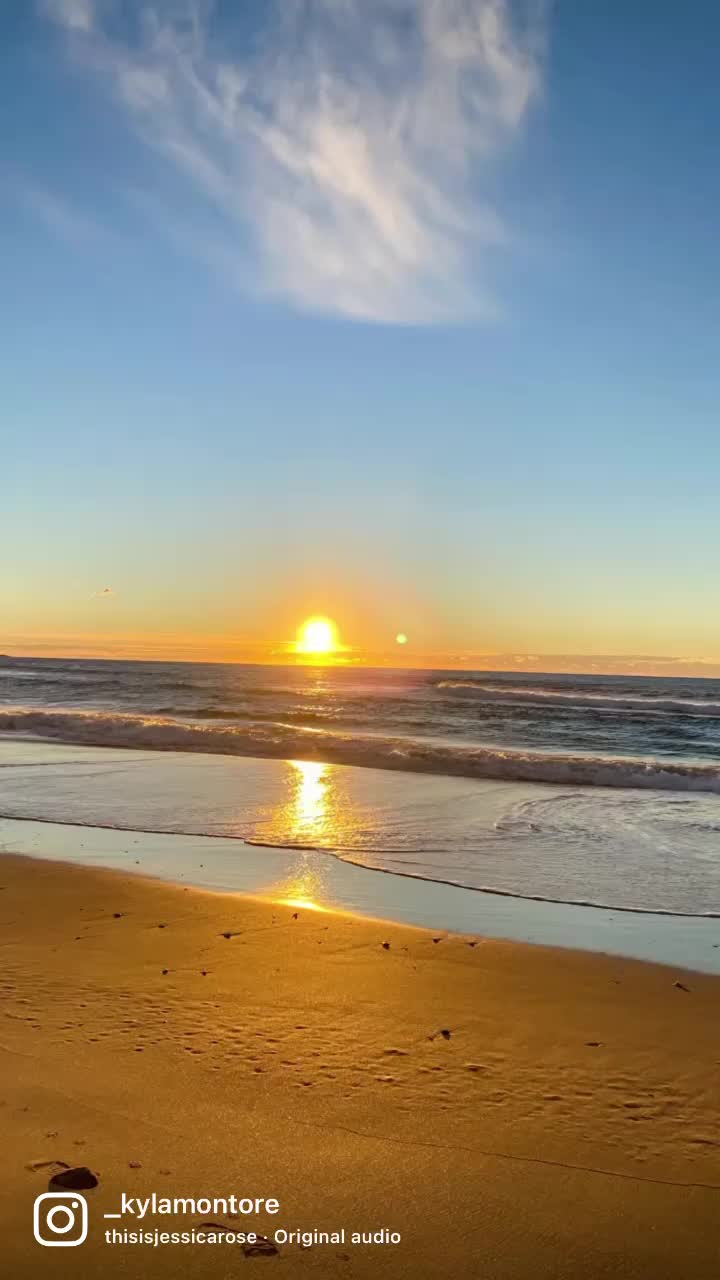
(287, 741)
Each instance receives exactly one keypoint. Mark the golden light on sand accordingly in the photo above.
(401, 638)
(305, 904)
(317, 636)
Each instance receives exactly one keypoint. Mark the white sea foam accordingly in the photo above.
(157, 733)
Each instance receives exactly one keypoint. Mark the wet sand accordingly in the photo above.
(510, 1110)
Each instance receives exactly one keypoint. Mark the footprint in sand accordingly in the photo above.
(33, 1166)
(261, 1248)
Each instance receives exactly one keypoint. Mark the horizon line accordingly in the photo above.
(629, 665)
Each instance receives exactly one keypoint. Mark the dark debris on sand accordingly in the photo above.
(78, 1179)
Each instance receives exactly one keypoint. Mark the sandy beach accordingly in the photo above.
(508, 1110)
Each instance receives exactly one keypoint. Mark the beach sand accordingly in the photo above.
(567, 1123)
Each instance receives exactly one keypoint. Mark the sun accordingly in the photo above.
(317, 636)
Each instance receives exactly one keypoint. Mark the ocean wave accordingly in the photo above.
(585, 699)
(360, 858)
(103, 729)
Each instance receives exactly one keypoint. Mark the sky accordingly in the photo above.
(402, 312)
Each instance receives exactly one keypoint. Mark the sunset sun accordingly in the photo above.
(317, 636)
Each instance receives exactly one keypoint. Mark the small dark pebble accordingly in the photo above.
(204, 973)
(165, 972)
(437, 939)
(681, 987)
(386, 946)
(79, 1179)
(134, 1164)
(593, 1044)
(117, 915)
(445, 1033)
(295, 915)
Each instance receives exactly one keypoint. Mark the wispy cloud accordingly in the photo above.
(57, 215)
(76, 14)
(345, 153)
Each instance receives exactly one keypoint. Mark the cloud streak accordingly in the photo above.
(342, 158)
(67, 223)
(75, 14)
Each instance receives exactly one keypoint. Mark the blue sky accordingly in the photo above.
(403, 311)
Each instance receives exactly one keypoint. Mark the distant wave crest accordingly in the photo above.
(582, 699)
(103, 729)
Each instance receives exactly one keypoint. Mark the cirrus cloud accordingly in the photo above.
(343, 158)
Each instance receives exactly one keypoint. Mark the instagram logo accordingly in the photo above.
(60, 1219)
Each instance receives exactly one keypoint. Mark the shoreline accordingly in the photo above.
(501, 839)
(337, 912)
(227, 864)
(343, 856)
(190, 1043)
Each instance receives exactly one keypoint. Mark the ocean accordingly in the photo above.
(600, 790)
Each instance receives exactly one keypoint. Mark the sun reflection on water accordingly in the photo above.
(308, 808)
(304, 887)
(306, 819)
(317, 813)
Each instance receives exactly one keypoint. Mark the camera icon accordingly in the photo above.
(60, 1219)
